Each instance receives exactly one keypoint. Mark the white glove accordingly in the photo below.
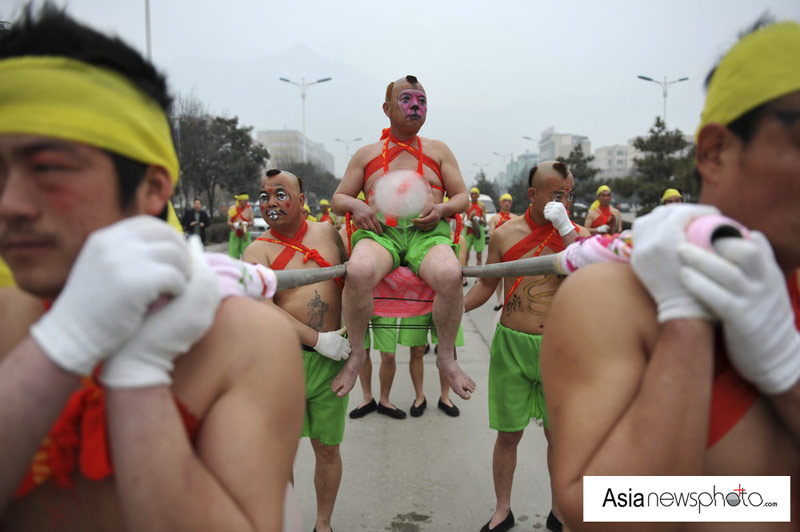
(121, 270)
(333, 345)
(602, 228)
(557, 214)
(237, 225)
(655, 261)
(167, 332)
(745, 288)
(238, 278)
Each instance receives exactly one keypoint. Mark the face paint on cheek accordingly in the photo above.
(413, 103)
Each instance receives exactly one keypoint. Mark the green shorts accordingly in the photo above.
(384, 334)
(473, 241)
(408, 246)
(414, 331)
(325, 412)
(237, 244)
(515, 387)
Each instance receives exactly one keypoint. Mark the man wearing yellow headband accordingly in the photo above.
(118, 405)
(671, 195)
(700, 358)
(326, 215)
(240, 220)
(474, 234)
(603, 218)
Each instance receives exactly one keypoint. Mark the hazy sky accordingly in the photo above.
(494, 71)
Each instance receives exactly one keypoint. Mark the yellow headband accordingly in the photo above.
(72, 100)
(238, 197)
(758, 69)
(324, 203)
(670, 193)
(474, 189)
(69, 99)
(505, 197)
(603, 188)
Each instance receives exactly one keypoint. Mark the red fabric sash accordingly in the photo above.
(79, 437)
(542, 236)
(390, 154)
(605, 217)
(473, 209)
(293, 244)
(326, 218)
(504, 217)
(238, 214)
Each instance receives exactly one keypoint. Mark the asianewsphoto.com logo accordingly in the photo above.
(691, 499)
(686, 499)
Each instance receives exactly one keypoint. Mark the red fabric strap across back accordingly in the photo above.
(294, 244)
(390, 154)
(239, 211)
(542, 236)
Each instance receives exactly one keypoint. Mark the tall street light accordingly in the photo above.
(664, 86)
(347, 145)
(303, 86)
(147, 27)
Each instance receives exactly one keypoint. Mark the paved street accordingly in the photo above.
(432, 473)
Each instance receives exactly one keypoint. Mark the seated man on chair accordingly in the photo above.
(425, 247)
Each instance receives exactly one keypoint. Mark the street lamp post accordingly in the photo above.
(347, 145)
(147, 27)
(303, 86)
(664, 86)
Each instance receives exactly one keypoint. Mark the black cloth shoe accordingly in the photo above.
(396, 413)
(427, 349)
(507, 524)
(498, 307)
(362, 411)
(553, 523)
(453, 411)
(417, 411)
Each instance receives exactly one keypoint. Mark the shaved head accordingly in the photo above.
(540, 174)
(402, 83)
(296, 181)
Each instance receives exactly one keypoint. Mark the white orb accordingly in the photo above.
(401, 194)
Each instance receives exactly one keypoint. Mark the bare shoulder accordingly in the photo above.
(256, 251)
(437, 147)
(368, 152)
(247, 337)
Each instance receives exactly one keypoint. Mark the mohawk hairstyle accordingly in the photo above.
(390, 87)
(558, 166)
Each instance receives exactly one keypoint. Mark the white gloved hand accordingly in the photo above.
(237, 225)
(121, 270)
(746, 289)
(238, 278)
(557, 214)
(655, 261)
(168, 332)
(333, 345)
(602, 228)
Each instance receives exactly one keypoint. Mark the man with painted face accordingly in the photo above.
(603, 219)
(315, 310)
(426, 247)
(240, 220)
(515, 385)
(698, 373)
(117, 406)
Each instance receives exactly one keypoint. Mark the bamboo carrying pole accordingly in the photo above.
(546, 265)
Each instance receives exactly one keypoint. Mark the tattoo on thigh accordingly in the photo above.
(316, 312)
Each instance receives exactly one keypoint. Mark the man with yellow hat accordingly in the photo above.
(671, 195)
(702, 357)
(474, 223)
(603, 218)
(118, 405)
(240, 219)
(326, 215)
